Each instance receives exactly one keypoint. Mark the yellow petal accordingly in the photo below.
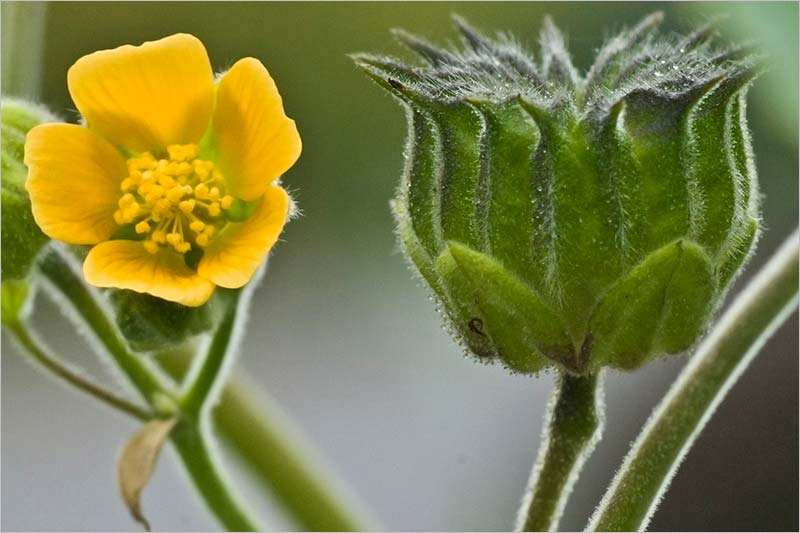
(146, 97)
(73, 181)
(127, 265)
(235, 254)
(256, 142)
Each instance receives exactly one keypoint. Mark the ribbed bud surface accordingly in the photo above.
(569, 220)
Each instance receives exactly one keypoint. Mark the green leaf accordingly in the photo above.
(659, 307)
(464, 312)
(152, 324)
(521, 326)
(13, 297)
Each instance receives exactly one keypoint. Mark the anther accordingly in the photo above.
(175, 194)
(127, 184)
(126, 200)
(142, 227)
(186, 206)
(201, 191)
(150, 246)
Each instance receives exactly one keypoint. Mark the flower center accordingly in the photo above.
(175, 202)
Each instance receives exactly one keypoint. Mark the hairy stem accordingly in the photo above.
(645, 475)
(190, 441)
(40, 355)
(572, 427)
(193, 448)
(60, 273)
(209, 373)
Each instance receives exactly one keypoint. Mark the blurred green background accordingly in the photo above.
(347, 341)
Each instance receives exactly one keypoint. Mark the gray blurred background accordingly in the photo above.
(347, 341)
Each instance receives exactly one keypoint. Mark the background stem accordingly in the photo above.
(648, 468)
(279, 456)
(262, 435)
(23, 48)
(573, 426)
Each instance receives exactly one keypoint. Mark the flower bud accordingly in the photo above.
(575, 221)
(21, 238)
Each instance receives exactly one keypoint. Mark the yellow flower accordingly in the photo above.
(168, 166)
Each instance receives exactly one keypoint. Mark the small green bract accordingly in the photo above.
(570, 220)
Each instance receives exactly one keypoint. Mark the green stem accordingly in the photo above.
(23, 48)
(648, 468)
(193, 449)
(255, 427)
(278, 455)
(209, 372)
(573, 426)
(190, 441)
(37, 353)
(61, 275)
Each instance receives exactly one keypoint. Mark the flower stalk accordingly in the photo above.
(647, 470)
(199, 392)
(192, 443)
(190, 439)
(573, 425)
(253, 427)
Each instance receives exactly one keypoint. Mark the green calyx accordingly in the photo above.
(575, 221)
(21, 238)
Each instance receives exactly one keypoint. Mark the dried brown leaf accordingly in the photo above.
(137, 461)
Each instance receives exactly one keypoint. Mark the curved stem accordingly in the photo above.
(192, 447)
(648, 468)
(573, 426)
(39, 354)
(190, 441)
(63, 278)
(209, 372)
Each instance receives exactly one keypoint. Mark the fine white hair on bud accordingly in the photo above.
(575, 220)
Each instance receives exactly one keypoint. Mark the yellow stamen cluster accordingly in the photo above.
(175, 201)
